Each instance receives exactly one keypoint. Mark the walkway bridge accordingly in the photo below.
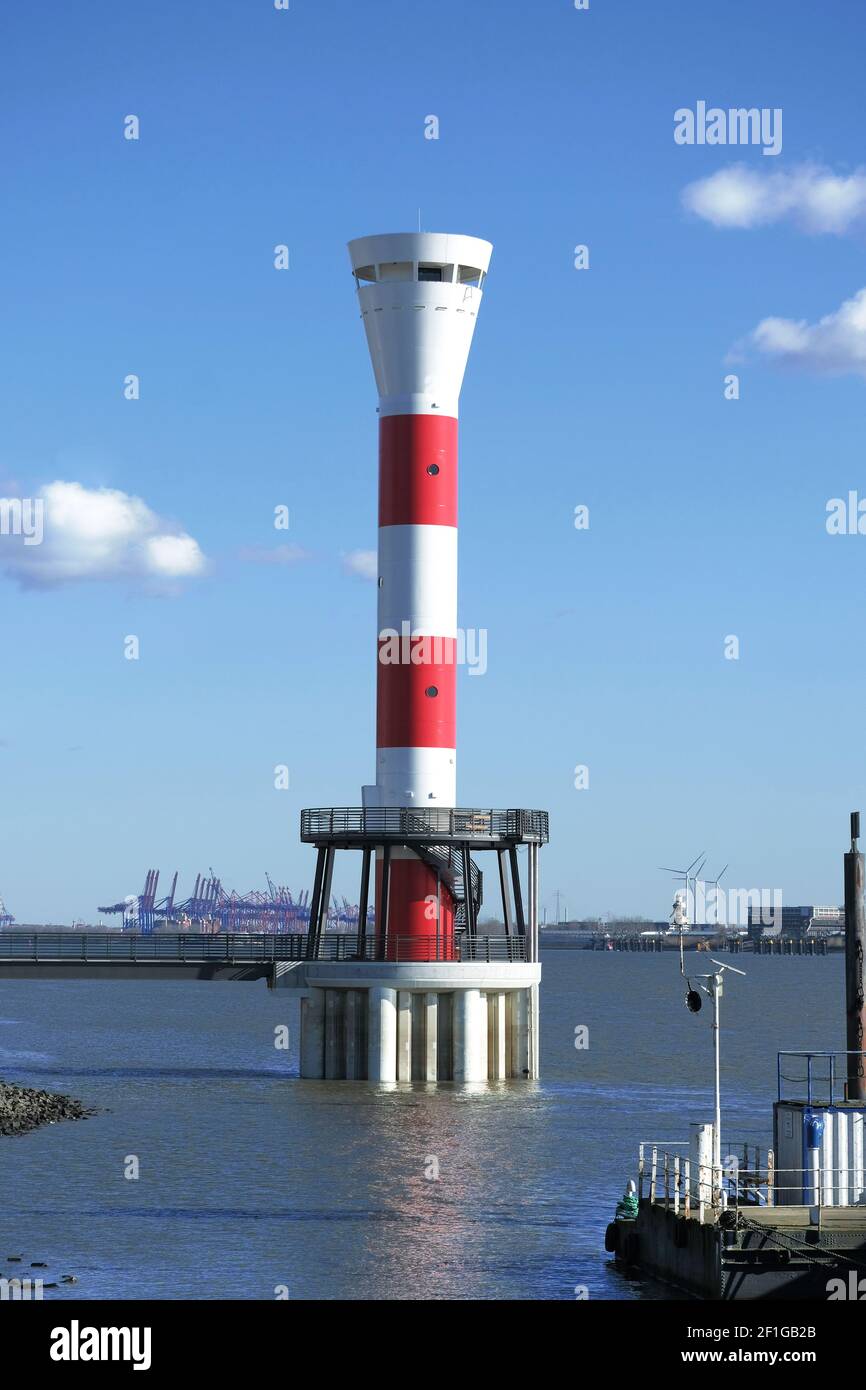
(69, 955)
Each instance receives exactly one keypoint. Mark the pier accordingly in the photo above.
(460, 1007)
(734, 945)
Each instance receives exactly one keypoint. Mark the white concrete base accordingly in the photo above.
(393, 1031)
(313, 1035)
(382, 1033)
(431, 1037)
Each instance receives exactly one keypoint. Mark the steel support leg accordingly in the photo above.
(362, 904)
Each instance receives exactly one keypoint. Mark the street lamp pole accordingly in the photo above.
(714, 988)
(717, 991)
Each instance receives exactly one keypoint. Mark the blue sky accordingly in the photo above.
(601, 387)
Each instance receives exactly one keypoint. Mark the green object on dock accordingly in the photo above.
(626, 1207)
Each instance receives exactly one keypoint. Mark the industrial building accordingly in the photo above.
(794, 923)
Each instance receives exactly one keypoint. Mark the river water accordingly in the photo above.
(254, 1184)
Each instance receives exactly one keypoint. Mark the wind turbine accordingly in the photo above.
(715, 882)
(687, 875)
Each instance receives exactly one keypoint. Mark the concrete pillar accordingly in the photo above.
(498, 1067)
(518, 1030)
(522, 1041)
(313, 1035)
(382, 1035)
(534, 1033)
(334, 1059)
(483, 1017)
(445, 1037)
(701, 1156)
(404, 1035)
(353, 1003)
(431, 1037)
(470, 1036)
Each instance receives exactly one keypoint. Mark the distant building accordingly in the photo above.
(795, 922)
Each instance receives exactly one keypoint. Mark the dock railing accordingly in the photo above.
(750, 1177)
(821, 1076)
(822, 1185)
(667, 1177)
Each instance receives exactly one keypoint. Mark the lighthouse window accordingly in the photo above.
(430, 272)
(366, 275)
(433, 469)
(432, 691)
(395, 270)
(469, 275)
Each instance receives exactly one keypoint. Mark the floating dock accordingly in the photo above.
(739, 1223)
(765, 1231)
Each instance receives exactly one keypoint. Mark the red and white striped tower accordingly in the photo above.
(419, 296)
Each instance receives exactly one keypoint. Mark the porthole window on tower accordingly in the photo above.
(432, 691)
(432, 469)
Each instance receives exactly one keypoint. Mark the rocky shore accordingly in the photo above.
(22, 1109)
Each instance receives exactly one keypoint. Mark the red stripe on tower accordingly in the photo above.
(418, 470)
(416, 704)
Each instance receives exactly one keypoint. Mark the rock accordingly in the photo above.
(23, 1109)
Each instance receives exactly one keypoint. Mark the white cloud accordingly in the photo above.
(836, 344)
(99, 533)
(810, 195)
(362, 563)
(174, 557)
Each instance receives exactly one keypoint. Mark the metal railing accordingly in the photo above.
(822, 1185)
(423, 948)
(671, 1180)
(448, 861)
(434, 824)
(192, 947)
(244, 948)
(821, 1082)
(749, 1177)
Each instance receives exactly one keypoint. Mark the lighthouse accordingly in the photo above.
(419, 297)
(421, 993)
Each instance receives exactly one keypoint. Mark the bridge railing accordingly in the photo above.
(244, 947)
(68, 946)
